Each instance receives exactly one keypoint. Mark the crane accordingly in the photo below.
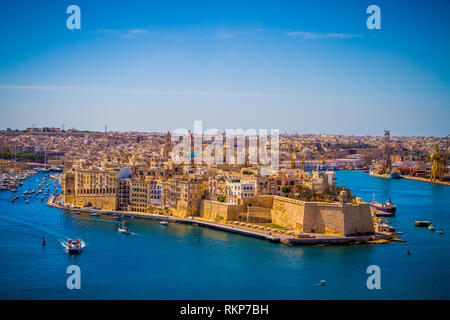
(439, 159)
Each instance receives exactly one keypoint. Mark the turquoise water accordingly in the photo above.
(169, 263)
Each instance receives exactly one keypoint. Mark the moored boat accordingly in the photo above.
(394, 175)
(422, 223)
(164, 223)
(388, 206)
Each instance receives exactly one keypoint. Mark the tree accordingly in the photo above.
(221, 198)
(304, 193)
(286, 189)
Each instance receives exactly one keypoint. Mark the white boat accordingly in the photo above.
(164, 223)
(123, 228)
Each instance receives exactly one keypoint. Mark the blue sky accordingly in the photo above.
(306, 66)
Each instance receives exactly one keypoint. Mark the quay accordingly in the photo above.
(444, 183)
(385, 176)
(305, 239)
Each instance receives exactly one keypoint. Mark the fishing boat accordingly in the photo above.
(422, 223)
(123, 228)
(73, 246)
(164, 223)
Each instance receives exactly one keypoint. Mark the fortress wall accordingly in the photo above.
(220, 212)
(358, 219)
(288, 213)
(324, 218)
(257, 215)
(106, 202)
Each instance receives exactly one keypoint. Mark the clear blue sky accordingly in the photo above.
(306, 66)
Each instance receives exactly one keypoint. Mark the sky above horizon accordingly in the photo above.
(296, 66)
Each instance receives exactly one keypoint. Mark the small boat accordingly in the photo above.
(27, 202)
(431, 228)
(164, 223)
(322, 283)
(116, 216)
(73, 246)
(123, 228)
(421, 223)
(440, 232)
(95, 214)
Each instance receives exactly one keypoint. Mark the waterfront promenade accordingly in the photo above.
(307, 239)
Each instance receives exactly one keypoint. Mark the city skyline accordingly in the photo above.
(307, 67)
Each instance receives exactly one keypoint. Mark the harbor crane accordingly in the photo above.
(439, 159)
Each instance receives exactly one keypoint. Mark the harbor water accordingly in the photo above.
(181, 261)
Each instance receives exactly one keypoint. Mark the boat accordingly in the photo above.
(73, 246)
(164, 223)
(394, 175)
(388, 206)
(116, 216)
(322, 283)
(27, 202)
(123, 228)
(422, 223)
(431, 228)
(440, 232)
(95, 214)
